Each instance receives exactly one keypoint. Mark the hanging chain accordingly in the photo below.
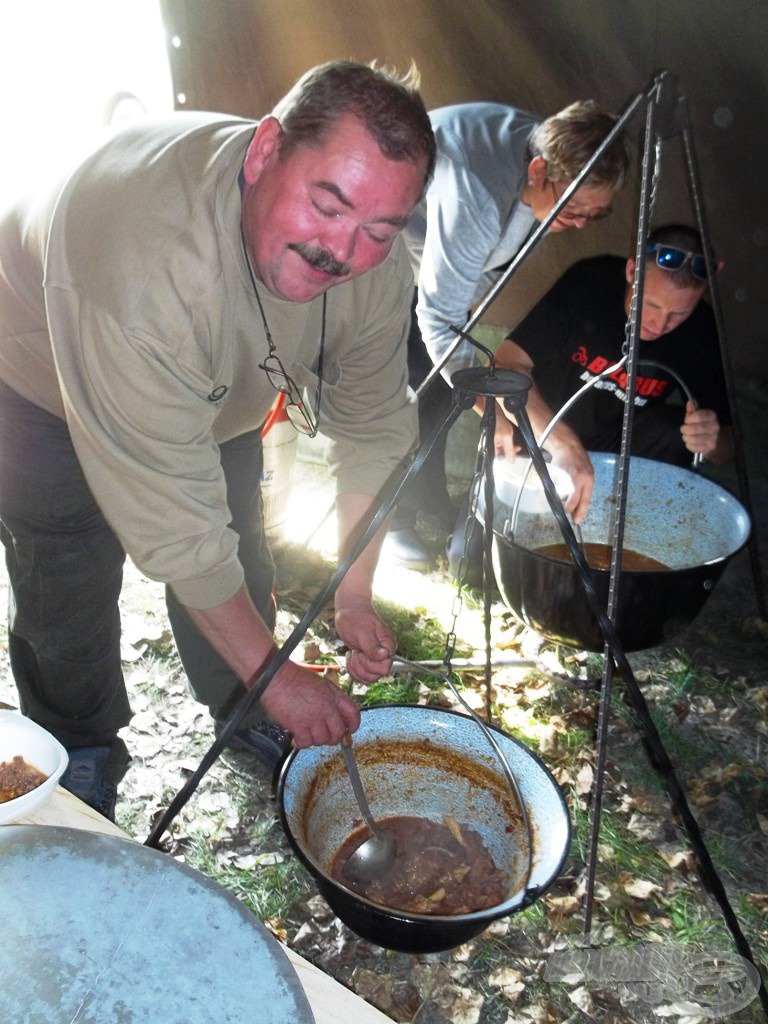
(472, 523)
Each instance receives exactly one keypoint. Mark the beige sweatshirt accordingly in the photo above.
(146, 338)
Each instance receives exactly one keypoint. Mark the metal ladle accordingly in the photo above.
(374, 856)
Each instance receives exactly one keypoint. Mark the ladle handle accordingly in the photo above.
(357, 783)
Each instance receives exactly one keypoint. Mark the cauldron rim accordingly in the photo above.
(605, 462)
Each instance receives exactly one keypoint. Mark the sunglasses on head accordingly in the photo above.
(669, 257)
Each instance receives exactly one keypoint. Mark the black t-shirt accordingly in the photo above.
(578, 329)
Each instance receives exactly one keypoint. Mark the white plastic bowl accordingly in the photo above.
(508, 477)
(22, 736)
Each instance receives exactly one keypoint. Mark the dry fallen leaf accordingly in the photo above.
(462, 1005)
(429, 978)
(559, 724)
(560, 908)
(759, 900)
(600, 891)
(548, 741)
(755, 626)
(584, 717)
(509, 981)
(639, 918)
(132, 652)
(643, 826)
(373, 988)
(551, 662)
(537, 1013)
(644, 801)
(277, 928)
(665, 923)
(677, 857)
(311, 652)
(581, 998)
(706, 787)
(640, 888)
(458, 1003)
(686, 1013)
(585, 780)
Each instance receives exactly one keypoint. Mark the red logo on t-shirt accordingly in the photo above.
(647, 387)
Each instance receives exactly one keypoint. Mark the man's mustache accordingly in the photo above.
(320, 259)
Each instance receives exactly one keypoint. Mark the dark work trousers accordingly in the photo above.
(65, 568)
(428, 492)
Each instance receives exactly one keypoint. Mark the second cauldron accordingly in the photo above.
(685, 521)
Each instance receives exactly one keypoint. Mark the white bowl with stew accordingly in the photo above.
(21, 737)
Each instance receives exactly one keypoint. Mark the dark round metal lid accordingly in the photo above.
(97, 928)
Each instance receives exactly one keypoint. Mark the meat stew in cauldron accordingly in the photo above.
(437, 868)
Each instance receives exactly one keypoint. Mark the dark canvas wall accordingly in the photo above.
(239, 56)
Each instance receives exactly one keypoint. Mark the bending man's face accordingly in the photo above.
(665, 305)
(323, 216)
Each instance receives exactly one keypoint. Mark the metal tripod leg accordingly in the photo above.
(745, 492)
(367, 530)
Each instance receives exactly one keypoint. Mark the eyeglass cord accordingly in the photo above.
(273, 348)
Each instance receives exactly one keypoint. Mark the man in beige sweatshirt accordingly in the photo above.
(149, 309)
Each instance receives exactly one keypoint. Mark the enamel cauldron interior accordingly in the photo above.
(430, 762)
(678, 517)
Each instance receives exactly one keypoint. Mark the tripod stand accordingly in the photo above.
(665, 116)
(511, 390)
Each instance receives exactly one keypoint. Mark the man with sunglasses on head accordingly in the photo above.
(151, 308)
(575, 335)
(500, 171)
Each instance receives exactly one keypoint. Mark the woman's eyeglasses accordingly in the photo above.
(588, 215)
(669, 257)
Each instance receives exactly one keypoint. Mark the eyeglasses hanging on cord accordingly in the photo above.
(302, 418)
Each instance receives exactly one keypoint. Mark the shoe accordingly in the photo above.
(93, 774)
(405, 547)
(466, 566)
(265, 740)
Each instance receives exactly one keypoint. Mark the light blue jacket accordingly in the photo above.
(472, 219)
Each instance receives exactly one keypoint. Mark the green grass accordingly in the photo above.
(693, 923)
(390, 691)
(269, 889)
(420, 637)
(629, 854)
(694, 917)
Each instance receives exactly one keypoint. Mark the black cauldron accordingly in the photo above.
(426, 762)
(681, 519)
